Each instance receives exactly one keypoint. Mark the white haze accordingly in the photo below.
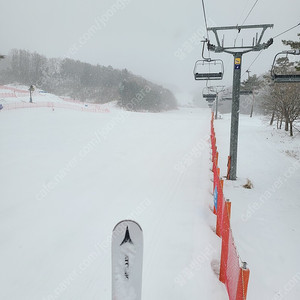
(143, 36)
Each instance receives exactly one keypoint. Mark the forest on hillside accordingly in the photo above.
(85, 82)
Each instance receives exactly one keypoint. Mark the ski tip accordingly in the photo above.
(127, 222)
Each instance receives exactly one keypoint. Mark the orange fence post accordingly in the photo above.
(228, 209)
(242, 288)
(217, 158)
(225, 236)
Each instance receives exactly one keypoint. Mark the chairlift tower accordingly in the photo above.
(213, 91)
(218, 89)
(237, 52)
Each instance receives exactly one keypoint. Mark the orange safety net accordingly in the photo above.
(232, 274)
(90, 108)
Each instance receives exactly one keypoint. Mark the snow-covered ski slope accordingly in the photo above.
(67, 177)
(17, 97)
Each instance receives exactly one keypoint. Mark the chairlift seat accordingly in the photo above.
(207, 76)
(245, 92)
(286, 78)
(209, 69)
(209, 95)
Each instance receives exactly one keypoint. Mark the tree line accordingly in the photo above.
(85, 82)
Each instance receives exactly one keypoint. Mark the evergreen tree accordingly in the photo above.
(295, 45)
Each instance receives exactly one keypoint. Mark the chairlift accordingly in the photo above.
(285, 75)
(209, 93)
(246, 92)
(209, 69)
(210, 100)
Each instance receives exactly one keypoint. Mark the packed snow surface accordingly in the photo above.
(68, 177)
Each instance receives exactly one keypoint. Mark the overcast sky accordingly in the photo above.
(158, 39)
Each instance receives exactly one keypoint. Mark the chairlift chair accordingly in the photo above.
(246, 92)
(210, 100)
(209, 69)
(284, 76)
(209, 93)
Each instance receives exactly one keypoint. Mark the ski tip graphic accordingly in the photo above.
(127, 238)
(127, 223)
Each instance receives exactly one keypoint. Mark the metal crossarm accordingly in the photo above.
(256, 46)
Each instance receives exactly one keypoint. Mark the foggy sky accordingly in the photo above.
(156, 39)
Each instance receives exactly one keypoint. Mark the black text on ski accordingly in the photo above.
(126, 239)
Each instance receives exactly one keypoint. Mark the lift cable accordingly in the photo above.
(285, 31)
(244, 9)
(247, 17)
(205, 19)
(206, 26)
(244, 20)
(273, 39)
(248, 69)
(250, 12)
